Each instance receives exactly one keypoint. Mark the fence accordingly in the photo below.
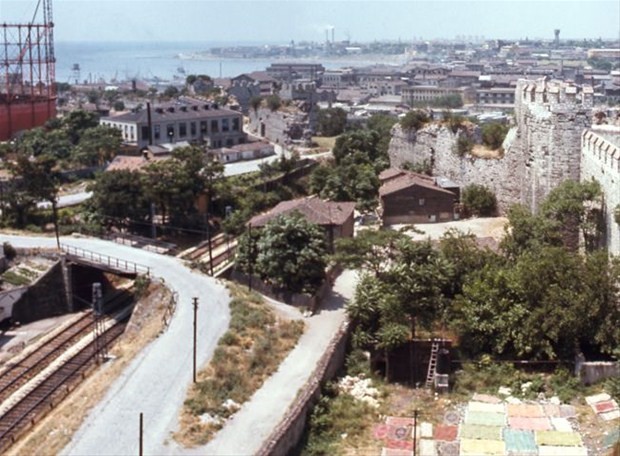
(106, 260)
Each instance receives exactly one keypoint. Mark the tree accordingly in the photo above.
(98, 145)
(273, 102)
(119, 105)
(331, 121)
(255, 103)
(479, 200)
(493, 134)
(292, 254)
(76, 122)
(414, 120)
(370, 251)
(359, 145)
(171, 92)
(576, 207)
(119, 197)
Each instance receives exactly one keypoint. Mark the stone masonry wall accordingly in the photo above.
(600, 159)
(550, 119)
(543, 149)
(436, 143)
(281, 126)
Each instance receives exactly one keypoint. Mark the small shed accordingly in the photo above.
(408, 197)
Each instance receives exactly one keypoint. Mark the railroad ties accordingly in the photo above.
(222, 250)
(40, 379)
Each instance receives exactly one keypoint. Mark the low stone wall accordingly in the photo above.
(286, 436)
(594, 371)
(44, 298)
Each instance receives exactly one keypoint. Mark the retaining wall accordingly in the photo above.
(287, 435)
(594, 371)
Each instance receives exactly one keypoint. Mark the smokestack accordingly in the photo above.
(327, 35)
(149, 121)
(333, 30)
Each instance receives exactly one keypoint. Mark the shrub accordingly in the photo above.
(479, 200)
(464, 146)
(493, 134)
(414, 120)
(274, 102)
(255, 103)
(9, 251)
(423, 167)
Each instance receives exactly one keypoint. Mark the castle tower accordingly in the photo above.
(551, 116)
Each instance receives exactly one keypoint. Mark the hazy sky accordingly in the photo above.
(281, 21)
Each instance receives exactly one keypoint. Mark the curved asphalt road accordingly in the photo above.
(156, 381)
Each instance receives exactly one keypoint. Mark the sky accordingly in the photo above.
(282, 21)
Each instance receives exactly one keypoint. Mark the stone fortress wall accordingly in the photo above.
(600, 159)
(552, 141)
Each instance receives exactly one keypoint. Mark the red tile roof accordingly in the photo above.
(314, 209)
(408, 180)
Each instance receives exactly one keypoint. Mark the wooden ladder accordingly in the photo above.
(432, 364)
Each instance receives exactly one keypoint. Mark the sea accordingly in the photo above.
(164, 61)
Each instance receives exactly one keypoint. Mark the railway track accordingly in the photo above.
(19, 416)
(17, 375)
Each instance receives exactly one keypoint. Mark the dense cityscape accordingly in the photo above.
(385, 247)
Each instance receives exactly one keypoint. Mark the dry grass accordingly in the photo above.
(326, 143)
(247, 354)
(55, 431)
(481, 151)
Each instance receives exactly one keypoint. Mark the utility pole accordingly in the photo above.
(195, 321)
(415, 431)
(98, 322)
(141, 435)
(250, 255)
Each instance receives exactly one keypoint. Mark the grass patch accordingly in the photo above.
(339, 424)
(15, 278)
(325, 142)
(247, 354)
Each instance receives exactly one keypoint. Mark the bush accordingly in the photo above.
(493, 134)
(255, 103)
(274, 102)
(331, 121)
(479, 200)
(9, 251)
(414, 120)
(464, 146)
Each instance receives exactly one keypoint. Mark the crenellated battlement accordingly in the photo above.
(554, 95)
(607, 153)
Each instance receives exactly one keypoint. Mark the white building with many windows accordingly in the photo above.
(186, 119)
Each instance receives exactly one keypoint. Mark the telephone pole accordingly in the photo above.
(195, 322)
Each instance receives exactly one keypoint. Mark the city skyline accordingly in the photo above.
(283, 21)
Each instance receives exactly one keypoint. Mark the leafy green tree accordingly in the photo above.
(478, 200)
(119, 105)
(292, 254)
(331, 121)
(98, 145)
(575, 207)
(370, 251)
(255, 103)
(526, 231)
(76, 122)
(171, 92)
(40, 142)
(119, 198)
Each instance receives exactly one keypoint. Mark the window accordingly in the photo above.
(214, 126)
(170, 131)
(192, 129)
(203, 127)
(230, 142)
(145, 133)
(156, 132)
(235, 125)
(182, 130)
(225, 124)
(421, 202)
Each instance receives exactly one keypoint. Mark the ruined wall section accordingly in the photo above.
(600, 160)
(436, 144)
(551, 116)
(285, 125)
